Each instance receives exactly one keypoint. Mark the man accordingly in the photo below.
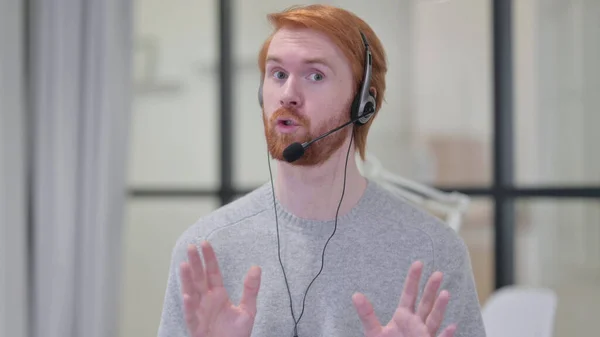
(321, 251)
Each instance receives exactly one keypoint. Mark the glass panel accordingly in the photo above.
(557, 246)
(434, 124)
(477, 230)
(175, 103)
(557, 76)
(153, 226)
(250, 148)
(446, 120)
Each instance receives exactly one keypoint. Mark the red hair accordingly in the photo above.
(342, 27)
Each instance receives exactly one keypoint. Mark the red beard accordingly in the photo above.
(318, 152)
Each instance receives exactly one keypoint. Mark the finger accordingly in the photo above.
(364, 308)
(187, 281)
(197, 269)
(429, 295)
(250, 292)
(434, 320)
(449, 331)
(213, 273)
(190, 314)
(411, 287)
(190, 298)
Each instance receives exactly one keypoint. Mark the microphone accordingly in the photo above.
(296, 150)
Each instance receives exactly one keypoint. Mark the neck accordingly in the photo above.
(314, 192)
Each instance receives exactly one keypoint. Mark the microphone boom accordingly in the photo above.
(296, 150)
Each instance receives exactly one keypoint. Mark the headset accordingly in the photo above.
(364, 103)
(361, 111)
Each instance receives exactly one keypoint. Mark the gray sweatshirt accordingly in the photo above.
(371, 252)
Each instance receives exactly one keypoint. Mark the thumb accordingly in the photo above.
(250, 292)
(371, 325)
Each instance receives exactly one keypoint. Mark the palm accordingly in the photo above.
(222, 315)
(408, 320)
(404, 324)
(411, 328)
(208, 309)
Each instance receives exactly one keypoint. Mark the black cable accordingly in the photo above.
(296, 322)
(277, 227)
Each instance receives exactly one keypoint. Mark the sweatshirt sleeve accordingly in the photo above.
(463, 309)
(172, 321)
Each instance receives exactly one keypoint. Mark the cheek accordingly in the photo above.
(333, 95)
(331, 106)
(325, 116)
(323, 96)
(270, 96)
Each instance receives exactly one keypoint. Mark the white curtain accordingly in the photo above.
(13, 213)
(74, 142)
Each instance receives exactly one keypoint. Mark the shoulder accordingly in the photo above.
(446, 243)
(250, 205)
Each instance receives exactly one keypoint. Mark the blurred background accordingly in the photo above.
(123, 123)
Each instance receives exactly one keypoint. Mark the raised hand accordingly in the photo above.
(408, 321)
(208, 309)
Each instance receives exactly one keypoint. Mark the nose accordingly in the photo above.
(290, 97)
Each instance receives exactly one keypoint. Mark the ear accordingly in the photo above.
(373, 92)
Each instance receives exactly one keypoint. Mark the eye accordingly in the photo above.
(279, 75)
(316, 77)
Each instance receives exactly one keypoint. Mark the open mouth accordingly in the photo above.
(286, 122)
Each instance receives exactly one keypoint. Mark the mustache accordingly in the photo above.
(285, 113)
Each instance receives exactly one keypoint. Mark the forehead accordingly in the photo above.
(301, 44)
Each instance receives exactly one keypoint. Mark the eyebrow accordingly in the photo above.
(316, 60)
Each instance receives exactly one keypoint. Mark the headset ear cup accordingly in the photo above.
(373, 102)
(260, 95)
(370, 106)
